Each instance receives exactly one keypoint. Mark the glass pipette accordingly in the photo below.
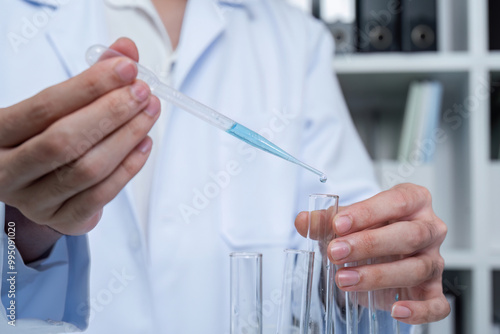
(169, 94)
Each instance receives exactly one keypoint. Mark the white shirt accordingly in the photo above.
(155, 53)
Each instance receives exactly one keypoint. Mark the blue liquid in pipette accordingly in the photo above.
(252, 138)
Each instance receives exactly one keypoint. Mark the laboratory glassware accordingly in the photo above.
(332, 309)
(246, 293)
(214, 118)
(293, 316)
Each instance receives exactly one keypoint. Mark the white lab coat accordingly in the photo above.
(259, 62)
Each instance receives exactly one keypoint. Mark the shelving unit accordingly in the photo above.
(464, 180)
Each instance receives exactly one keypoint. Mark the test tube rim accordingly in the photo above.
(247, 255)
(296, 251)
(324, 196)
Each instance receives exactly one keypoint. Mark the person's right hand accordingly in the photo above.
(69, 150)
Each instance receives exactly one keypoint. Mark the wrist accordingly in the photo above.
(33, 241)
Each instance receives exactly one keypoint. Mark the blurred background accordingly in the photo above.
(422, 81)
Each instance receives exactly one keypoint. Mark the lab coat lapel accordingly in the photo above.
(203, 24)
(83, 20)
(76, 19)
(48, 3)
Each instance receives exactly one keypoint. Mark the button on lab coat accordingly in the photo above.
(259, 62)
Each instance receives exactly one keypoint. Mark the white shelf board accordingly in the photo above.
(458, 259)
(493, 61)
(413, 62)
(402, 62)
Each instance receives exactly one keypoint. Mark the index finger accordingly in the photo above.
(398, 203)
(30, 117)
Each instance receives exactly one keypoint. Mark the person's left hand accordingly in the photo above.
(398, 223)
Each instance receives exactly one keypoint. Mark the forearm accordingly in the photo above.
(33, 241)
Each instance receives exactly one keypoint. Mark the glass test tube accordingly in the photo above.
(333, 310)
(293, 317)
(381, 305)
(340, 311)
(322, 209)
(246, 293)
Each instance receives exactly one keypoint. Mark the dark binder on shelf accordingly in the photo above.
(494, 24)
(419, 25)
(378, 25)
(340, 17)
(494, 122)
(343, 34)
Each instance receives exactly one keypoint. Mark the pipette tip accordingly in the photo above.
(322, 176)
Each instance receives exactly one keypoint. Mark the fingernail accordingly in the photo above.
(140, 91)
(152, 108)
(343, 224)
(400, 312)
(145, 146)
(126, 70)
(348, 278)
(340, 250)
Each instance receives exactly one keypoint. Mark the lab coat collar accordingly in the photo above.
(204, 22)
(76, 19)
(146, 5)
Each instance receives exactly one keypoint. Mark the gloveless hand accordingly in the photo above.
(400, 224)
(69, 150)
